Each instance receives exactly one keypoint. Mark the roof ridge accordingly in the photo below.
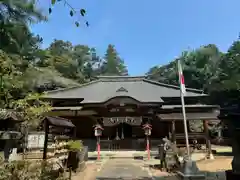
(124, 78)
(121, 77)
(74, 87)
(172, 86)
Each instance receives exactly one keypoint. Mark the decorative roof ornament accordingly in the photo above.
(122, 89)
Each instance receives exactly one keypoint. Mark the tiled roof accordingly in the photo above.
(107, 87)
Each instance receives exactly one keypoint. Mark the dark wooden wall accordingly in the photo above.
(160, 129)
(84, 126)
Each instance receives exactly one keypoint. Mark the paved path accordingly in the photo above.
(123, 169)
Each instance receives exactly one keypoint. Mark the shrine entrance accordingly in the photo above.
(123, 139)
(127, 130)
(122, 133)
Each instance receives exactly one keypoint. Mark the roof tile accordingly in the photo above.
(138, 88)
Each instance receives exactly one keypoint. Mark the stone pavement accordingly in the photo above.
(124, 169)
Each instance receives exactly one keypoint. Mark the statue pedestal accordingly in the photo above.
(190, 171)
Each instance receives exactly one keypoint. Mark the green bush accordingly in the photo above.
(25, 170)
(75, 145)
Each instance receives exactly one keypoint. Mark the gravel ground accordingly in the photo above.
(221, 163)
(89, 172)
(214, 169)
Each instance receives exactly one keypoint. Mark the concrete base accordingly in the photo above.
(189, 171)
(191, 177)
(210, 156)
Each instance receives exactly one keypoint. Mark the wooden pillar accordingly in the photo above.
(208, 141)
(173, 132)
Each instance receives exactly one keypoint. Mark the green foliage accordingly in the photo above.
(26, 68)
(32, 109)
(204, 68)
(20, 11)
(72, 11)
(75, 145)
(113, 64)
(9, 79)
(26, 170)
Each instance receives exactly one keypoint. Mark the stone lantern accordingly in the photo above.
(98, 133)
(147, 131)
(98, 130)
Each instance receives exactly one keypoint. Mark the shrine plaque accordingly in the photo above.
(35, 141)
(112, 121)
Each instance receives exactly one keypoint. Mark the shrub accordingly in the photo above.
(25, 170)
(75, 145)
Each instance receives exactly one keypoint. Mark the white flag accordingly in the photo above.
(181, 78)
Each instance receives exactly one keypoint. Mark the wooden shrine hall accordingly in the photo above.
(122, 104)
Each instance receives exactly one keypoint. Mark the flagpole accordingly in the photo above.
(183, 108)
(189, 170)
(185, 125)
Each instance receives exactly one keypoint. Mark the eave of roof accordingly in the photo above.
(60, 122)
(189, 116)
(173, 86)
(74, 108)
(189, 106)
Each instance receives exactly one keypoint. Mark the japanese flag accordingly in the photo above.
(181, 78)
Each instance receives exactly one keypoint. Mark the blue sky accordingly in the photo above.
(145, 33)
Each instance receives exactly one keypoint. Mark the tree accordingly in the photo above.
(21, 11)
(31, 109)
(15, 15)
(209, 69)
(200, 67)
(113, 64)
(10, 80)
(229, 69)
(40, 79)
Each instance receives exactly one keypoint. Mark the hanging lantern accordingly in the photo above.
(98, 130)
(147, 129)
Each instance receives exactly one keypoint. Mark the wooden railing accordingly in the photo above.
(125, 144)
(191, 136)
(140, 144)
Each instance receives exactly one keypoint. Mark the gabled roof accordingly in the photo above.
(108, 87)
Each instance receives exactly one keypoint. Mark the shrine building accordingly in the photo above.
(122, 104)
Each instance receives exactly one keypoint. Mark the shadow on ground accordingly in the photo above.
(209, 176)
(219, 175)
(223, 154)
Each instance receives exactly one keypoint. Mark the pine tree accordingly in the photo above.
(113, 64)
